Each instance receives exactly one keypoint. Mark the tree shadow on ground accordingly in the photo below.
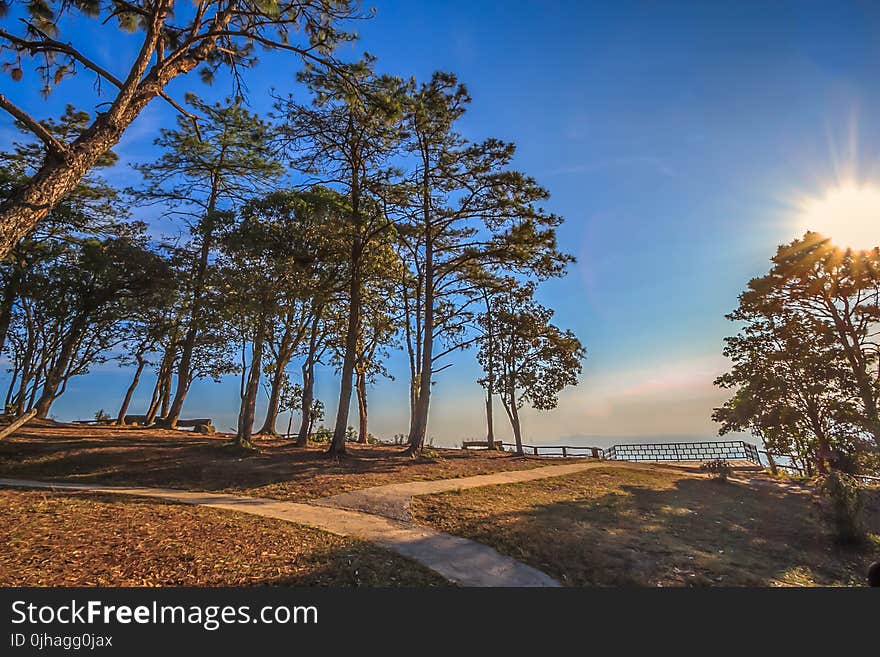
(279, 469)
(696, 531)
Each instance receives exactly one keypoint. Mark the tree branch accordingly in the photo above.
(52, 142)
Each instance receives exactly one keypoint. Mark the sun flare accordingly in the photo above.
(849, 215)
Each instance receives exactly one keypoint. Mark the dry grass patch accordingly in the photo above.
(653, 526)
(84, 539)
(279, 470)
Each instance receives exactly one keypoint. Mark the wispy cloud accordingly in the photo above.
(657, 164)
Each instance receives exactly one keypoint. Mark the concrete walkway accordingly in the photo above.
(459, 560)
(394, 500)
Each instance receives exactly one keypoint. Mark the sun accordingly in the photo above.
(849, 215)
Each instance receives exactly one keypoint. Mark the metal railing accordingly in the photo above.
(729, 450)
(556, 450)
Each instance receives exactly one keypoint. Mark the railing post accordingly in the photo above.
(595, 452)
(536, 449)
(564, 454)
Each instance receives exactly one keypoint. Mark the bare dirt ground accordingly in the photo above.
(83, 539)
(658, 526)
(174, 459)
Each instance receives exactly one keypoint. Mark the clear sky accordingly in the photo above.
(673, 137)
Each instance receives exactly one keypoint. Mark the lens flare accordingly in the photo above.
(849, 215)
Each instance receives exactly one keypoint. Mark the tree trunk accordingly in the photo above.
(59, 175)
(302, 438)
(249, 399)
(163, 375)
(289, 341)
(865, 385)
(508, 400)
(822, 453)
(16, 370)
(27, 361)
(10, 294)
(268, 428)
(61, 172)
(17, 422)
(490, 378)
(337, 445)
(184, 366)
(55, 375)
(419, 425)
(490, 424)
(166, 396)
(363, 436)
(308, 375)
(142, 363)
(517, 430)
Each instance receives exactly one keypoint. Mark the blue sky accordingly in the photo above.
(673, 137)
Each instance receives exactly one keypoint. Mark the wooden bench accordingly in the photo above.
(467, 444)
(199, 425)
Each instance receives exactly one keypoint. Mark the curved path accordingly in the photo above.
(380, 515)
(394, 500)
(459, 560)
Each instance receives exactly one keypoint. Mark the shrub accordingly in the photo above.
(102, 417)
(322, 435)
(719, 469)
(846, 503)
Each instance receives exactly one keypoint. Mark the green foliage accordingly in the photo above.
(101, 417)
(211, 165)
(322, 435)
(534, 360)
(50, 26)
(846, 502)
(803, 361)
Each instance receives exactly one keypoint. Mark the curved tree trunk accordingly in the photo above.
(123, 409)
(27, 362)
(65, 164)
(153, 408)
(10, 294)
(268, 428)
(165, 399)
(508, 400)
(289, 342)
(184, 365)
(513, 414)
(55, 375)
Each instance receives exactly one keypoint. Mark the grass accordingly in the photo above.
(80, 539)
(653, 526)
(182, 460)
